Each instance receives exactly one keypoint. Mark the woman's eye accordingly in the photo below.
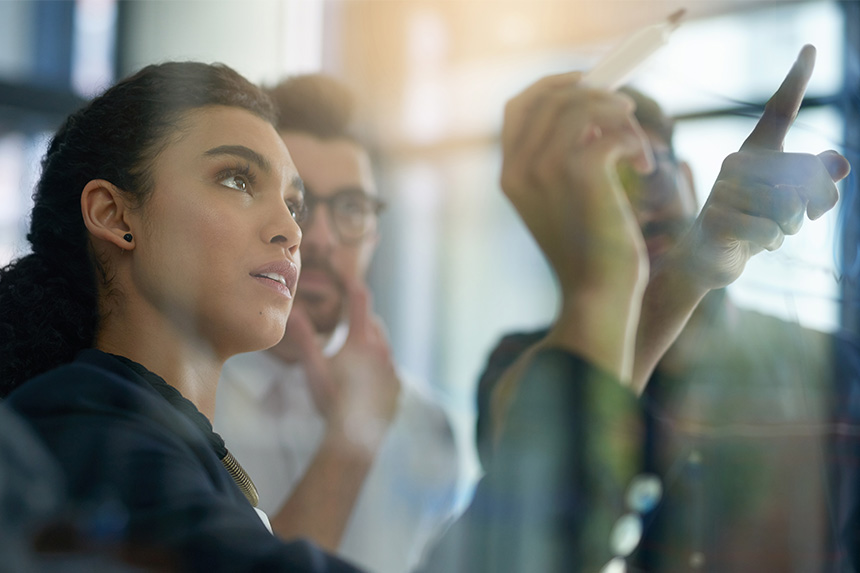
(237, 182)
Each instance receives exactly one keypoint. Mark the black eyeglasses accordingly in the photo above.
(352, 212)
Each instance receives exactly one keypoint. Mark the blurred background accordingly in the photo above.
(455, 268)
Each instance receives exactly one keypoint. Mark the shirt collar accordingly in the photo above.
(254, 371)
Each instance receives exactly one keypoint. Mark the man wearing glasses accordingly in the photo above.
(341, 448)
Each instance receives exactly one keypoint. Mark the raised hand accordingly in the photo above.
(561, 143)
(357, 389)
(357, 392)
(762, 193)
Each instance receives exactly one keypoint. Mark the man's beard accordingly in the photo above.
(324, 313)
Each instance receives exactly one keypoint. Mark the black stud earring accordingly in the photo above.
(127, 237)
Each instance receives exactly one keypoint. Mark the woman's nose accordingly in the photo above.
(284, 230)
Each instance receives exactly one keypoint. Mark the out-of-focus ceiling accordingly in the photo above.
(374, 35)
(481, 28)
(377, 44)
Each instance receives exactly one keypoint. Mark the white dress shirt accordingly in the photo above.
(266, 415)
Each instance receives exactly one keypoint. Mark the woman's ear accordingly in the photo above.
(105, 213)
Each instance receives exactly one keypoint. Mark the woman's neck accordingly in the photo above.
(188, 365)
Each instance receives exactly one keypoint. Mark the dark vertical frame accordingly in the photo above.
(123, 25)
(850, 215)
(843, 443)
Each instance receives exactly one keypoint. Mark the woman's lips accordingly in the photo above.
(281, 276)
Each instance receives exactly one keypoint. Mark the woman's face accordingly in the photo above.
(216, 244)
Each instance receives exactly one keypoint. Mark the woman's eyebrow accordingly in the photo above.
(244, 152)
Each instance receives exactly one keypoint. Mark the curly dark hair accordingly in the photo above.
(49, 298)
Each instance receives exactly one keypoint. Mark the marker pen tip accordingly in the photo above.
(675, 17)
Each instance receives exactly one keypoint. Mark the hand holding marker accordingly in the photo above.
(613, 70)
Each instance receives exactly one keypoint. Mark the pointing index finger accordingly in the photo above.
(782, 108)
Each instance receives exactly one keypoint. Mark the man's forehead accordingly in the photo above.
(330, 165)
(311, 143)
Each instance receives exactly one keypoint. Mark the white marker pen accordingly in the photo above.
(613, 70)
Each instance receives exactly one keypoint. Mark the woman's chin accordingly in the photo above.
(260, 336)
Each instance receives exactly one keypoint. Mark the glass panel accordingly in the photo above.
(20, 157)
(93, 53)
(17, 33)
(743, 57)
(37, 37)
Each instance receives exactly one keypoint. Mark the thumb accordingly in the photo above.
(837, 166)
(358, 299)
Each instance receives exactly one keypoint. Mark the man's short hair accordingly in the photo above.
(650, 115)
(315, 104)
